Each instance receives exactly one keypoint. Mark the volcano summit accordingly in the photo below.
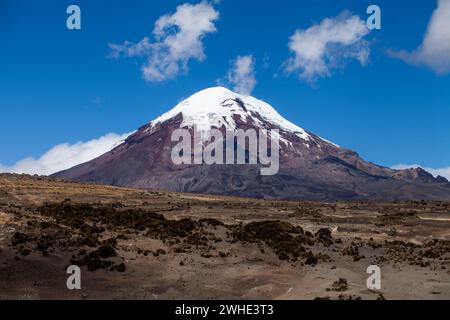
(310, 167)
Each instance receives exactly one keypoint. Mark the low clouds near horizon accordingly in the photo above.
(326, 46)
(434, 52)
(443, 172)
(65, 156)
(177, 38)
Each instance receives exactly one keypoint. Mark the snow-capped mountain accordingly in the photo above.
(218, 107)
(310, 166)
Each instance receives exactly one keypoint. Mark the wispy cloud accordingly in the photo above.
(242, 74)
(434, 52)
(177, 38)
(65, 156)
(327, 46)
(443, 172)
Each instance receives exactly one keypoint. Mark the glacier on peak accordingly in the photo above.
(217, 106)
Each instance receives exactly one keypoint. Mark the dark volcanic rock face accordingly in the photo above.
(310, 167)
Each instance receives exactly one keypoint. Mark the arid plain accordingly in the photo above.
(143, 244)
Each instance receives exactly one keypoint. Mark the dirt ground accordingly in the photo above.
(138, 244)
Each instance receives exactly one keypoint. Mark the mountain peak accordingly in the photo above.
(215, 91)
(220, 107)
(309, 167)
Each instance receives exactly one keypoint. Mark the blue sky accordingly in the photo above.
(60, 86)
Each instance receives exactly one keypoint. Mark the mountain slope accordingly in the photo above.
(310, 167)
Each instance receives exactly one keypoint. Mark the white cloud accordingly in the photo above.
(443, 172)
(434, 51)
(242, 74)
(328, 45)
(65, 156)
(177, 39)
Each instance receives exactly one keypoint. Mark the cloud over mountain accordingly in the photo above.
(242, 74)
(177, 38)
(434, 52)
(327, 46)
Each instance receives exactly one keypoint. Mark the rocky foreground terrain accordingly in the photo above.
(139, 244)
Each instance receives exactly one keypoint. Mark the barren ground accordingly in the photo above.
(137, 244)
